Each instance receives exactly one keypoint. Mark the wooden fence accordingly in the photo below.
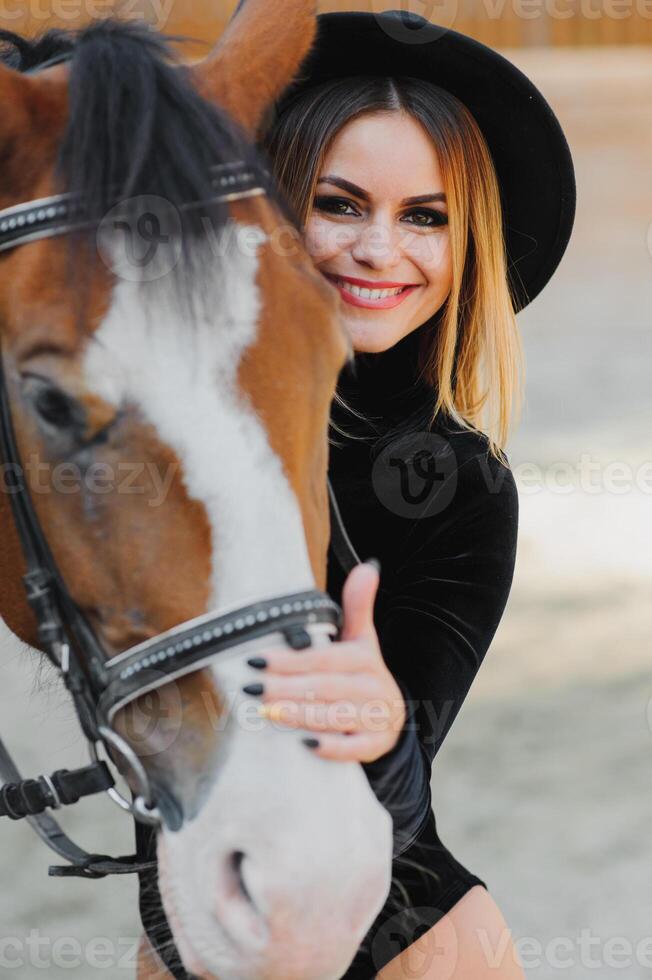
(500, 23)
(527, 23)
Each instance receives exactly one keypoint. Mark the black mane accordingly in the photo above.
(137, 126)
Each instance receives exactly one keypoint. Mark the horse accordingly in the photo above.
(170, 412)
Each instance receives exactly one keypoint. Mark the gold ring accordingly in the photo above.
(272, 711)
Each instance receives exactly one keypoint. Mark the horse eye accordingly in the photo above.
(53, 407)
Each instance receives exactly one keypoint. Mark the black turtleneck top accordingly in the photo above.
(441, 514)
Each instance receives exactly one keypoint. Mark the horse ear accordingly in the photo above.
(32, 108)
(257, 57)
(14, 98)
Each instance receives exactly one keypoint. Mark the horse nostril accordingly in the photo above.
(239, 916)
(235, 860)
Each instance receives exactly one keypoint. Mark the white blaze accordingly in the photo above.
(183, 378)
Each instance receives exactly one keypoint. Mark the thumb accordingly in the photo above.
(358, 597)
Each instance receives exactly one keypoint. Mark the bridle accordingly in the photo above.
(100, 687)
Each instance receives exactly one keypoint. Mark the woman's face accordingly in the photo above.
(378, 228)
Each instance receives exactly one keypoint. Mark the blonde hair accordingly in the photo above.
(474, 358)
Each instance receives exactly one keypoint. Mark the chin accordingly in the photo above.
(372, 340)
(371, 348)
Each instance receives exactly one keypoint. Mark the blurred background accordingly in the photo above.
(543, 787)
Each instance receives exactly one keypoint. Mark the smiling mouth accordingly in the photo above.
(366, 292)
(384, 296)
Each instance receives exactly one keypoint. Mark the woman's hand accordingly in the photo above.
(344, 692)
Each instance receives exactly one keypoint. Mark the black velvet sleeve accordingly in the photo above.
(446, 594)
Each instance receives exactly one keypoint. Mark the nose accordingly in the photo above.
(282, 883)
(274, 922)
(378, 244)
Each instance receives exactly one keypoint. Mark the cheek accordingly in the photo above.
(324, 239)
(432, 254)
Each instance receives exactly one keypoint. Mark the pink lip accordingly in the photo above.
(369, 283)
(389, 302)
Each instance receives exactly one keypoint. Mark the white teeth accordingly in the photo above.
(364, 293)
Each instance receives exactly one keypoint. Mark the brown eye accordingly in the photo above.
(426, 218)
(334, 205)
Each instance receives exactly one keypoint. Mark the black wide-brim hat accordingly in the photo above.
(530, 153)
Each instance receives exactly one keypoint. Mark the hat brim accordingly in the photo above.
(530, 153)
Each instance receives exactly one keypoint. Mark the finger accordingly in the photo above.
(341, 658)
(340, 716)
(310, 688)
(358, 597)
(358, 747)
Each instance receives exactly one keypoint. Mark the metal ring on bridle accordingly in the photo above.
(142, 806)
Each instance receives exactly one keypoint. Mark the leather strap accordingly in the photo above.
(82, 864)
(152, 914)
(190, 645)
(30, 797)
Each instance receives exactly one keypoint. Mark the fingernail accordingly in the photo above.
(258, 662)
(253, 688)
(375, 562)
(297, 637)
(312, 743)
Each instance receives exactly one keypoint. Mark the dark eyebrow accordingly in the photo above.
(346, 185)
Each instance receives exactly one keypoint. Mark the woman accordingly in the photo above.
(438, 201)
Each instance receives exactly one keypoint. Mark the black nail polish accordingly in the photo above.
(297, 637)
(258, 662)
(312, 743)
(253, 689)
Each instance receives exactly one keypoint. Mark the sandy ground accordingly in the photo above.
(543, 787)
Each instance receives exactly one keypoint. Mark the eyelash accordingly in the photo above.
(329, 205)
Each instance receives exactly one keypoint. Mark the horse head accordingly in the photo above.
(170, 355)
